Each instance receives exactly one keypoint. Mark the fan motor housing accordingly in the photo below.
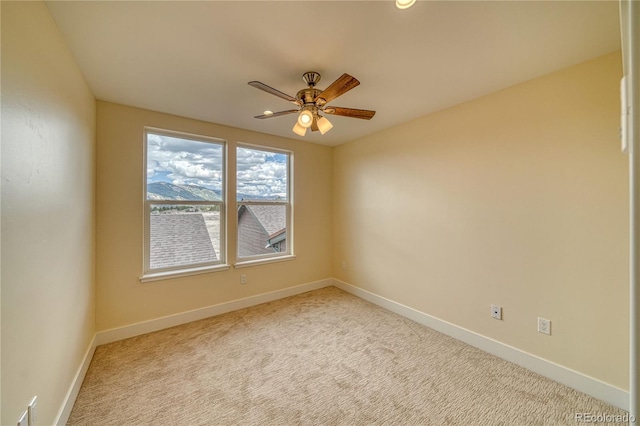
(308, 96)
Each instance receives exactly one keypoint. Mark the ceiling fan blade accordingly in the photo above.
(339, 87)
(364, 114)
(276, 114)
(269, 89)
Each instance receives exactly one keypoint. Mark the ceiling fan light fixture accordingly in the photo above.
(305, 119)
(299, 130)
(311, 101)
(404, 4)
(324, 125)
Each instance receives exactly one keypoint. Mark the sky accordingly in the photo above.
(260, 174)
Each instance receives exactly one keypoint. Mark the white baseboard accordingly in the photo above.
(133, 330)
(578, 381)
(72, 393)
(564, 375)
(120, 333)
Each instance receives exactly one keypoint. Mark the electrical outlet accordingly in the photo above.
(544, 326)
(24, 419)
(32, 411)
(496, 312)
(243, 279)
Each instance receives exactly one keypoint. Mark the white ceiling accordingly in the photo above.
(194, 59)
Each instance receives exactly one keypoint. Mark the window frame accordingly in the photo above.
(149, 274)
(246, 261)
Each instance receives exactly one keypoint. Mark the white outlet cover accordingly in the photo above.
(544, 326)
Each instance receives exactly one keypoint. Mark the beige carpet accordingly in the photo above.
(320, 358)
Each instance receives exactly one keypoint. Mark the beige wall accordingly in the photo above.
(518, 199)
(122, 298)
(48, 141)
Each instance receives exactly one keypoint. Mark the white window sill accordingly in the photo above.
(157, 276)
(255, 262)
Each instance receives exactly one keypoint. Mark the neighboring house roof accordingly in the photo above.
(272, 218)
(278, 236)
(257, 225)
(179, 239)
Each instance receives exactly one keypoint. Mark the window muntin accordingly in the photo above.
(263, 185)
(184, 201)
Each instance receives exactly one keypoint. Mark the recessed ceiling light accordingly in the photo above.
(404, 4)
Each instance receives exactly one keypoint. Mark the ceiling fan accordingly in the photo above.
(311, 102)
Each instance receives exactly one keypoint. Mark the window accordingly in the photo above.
(263, 185)
(184, 202)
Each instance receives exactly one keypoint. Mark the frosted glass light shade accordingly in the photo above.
(324, 125)
(305, 119)
(299, 130)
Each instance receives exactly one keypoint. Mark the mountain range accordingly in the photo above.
(170, 191)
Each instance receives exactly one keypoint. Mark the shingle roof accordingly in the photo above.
(256, 225)
(272, 218)
(179, 239)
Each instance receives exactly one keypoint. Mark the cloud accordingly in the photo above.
(184, 162)
(260, 174)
